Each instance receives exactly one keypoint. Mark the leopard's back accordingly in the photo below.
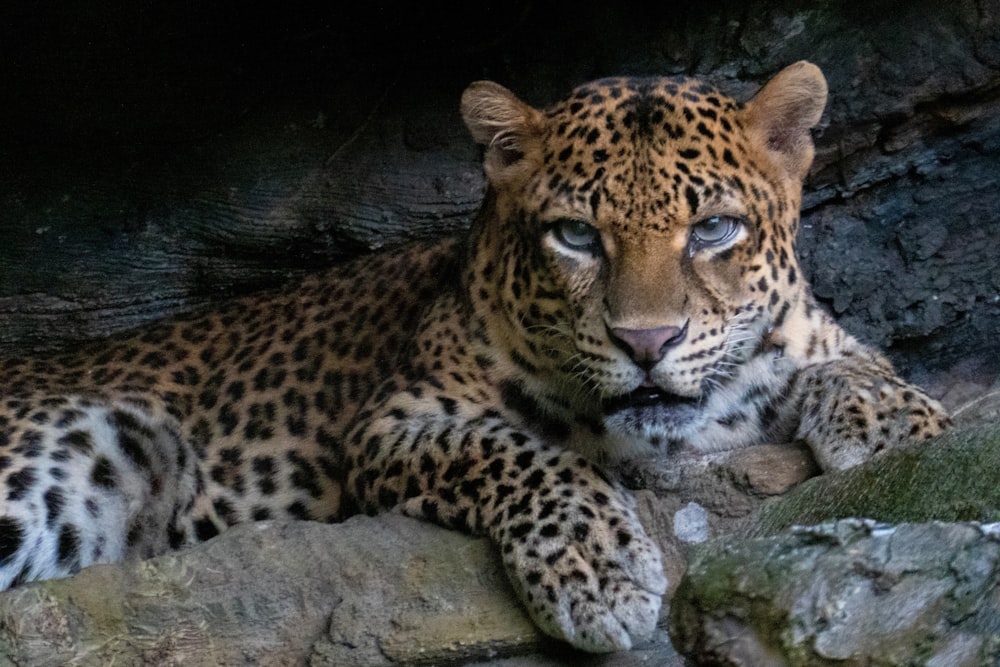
(256, 394)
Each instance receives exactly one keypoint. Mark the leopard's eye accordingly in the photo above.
(577, 235)
(715, 230)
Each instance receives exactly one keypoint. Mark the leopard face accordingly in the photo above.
(638, 242)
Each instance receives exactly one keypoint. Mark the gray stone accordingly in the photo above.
(691, 524)
(369, 591)
(852, 592)
(860, 591)
(372, 591)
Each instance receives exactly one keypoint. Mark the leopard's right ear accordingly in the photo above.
(506, 126)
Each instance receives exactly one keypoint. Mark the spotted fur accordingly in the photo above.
(630, 287)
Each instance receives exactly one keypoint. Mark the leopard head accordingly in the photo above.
(637, 239)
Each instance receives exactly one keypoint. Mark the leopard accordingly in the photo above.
(629, 289)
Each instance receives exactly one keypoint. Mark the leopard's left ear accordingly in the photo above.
(506, 126)
(782, 113)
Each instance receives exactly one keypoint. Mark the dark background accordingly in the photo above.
(157, 156)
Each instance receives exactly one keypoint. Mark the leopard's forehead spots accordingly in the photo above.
(641, 105)
(654, 150)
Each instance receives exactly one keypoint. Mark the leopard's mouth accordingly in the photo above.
(649, 397)
(653, 414)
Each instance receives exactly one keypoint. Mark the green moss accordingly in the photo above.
(718, 581)
(952, 478)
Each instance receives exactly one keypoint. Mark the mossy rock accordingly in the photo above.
(955, 477)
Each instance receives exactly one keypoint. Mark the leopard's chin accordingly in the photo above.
(650, 411)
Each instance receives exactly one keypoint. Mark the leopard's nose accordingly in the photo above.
(646, 347)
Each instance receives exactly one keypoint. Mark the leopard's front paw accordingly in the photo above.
(584, 567)
(851, 412)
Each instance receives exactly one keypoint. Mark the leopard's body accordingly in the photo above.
(630, 287)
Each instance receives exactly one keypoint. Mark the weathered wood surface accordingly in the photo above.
(96, 252)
